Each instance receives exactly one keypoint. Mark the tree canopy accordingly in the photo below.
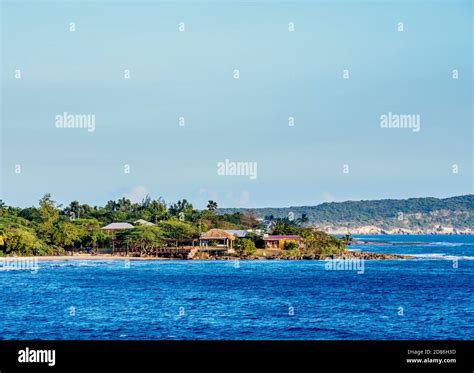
(50, 228)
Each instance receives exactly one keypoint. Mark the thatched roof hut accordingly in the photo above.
(217, 238)
(217, 234)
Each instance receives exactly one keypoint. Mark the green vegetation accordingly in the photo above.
(290, 245)
(314, 242)
(413, 213)
(245, 247)
(17, 237)
(143, 238)
(50, 229)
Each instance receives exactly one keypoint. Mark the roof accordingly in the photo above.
(217, 234)
(143, 222)
(237, 232)
(278, 237)
(117, 226)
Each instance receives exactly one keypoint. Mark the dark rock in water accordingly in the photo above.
(313, 256)
(371, 256)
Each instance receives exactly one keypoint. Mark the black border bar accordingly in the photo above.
(138, 356)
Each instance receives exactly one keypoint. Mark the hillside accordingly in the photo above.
(414, 215)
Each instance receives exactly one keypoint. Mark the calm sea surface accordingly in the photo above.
(431, 297)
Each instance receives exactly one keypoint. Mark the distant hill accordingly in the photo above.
(414, 215)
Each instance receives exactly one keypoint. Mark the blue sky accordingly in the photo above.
(190, 74)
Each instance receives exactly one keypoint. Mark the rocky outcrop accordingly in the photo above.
(361, 255)
(371, 256)
(372, 229)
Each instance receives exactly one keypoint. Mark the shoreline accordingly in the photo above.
(80, 257)
(349, 255)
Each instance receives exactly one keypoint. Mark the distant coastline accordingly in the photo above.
(373, 230)
(454, 215)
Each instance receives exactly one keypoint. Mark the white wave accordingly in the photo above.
(442, 256)
(449, 244)
(9, 269)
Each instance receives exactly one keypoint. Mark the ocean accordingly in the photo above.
(430, 297)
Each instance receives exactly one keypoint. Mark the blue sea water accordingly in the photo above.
(431, 297)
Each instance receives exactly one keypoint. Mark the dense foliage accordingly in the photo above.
(315, 242)
(387, 213)
(51, 229)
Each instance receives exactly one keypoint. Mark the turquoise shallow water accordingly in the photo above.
(431, 297)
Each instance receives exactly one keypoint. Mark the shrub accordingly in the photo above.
(290, 245)
(245, 246)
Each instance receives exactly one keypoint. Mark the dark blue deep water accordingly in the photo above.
(425, 298)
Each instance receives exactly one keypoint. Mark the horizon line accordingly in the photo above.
(167, 204)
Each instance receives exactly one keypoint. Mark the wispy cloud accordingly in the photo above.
(136, 194)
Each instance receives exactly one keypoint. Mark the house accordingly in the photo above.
(218, 238)
(238, 233)
(278, 241)
(266, 225)
(143, 222)
(242, 233)
(117, 227)
(113, 227)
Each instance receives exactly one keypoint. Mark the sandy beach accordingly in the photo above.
(80, 257)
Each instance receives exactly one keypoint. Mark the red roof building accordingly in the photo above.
(278, 241)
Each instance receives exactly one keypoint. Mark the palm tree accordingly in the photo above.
(181, 206)
(111, 206)
(347, 239)
(74, 209)
(303, 219)
(124, 204)
(212, 206)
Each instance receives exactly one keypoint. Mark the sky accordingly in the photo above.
(399, 58)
